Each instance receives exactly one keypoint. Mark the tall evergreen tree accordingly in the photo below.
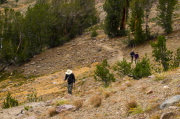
(166, 8)
(161, 53)
(115, 21)
(136, 20)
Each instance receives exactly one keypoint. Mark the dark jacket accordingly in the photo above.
(136, 56)
(132, 54)
(70, 78)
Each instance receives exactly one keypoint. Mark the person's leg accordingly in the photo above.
(131, 58)
(70, 86)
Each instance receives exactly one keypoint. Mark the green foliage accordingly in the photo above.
(165, 13)
(136, 20)
(2, 1)
(33, 97)
(94, 33)
(115, 21)
(123, 68)
(176, 61)
(44, 25)
(61, 102)
(161, 53)
(142, 69)
(9, 101)
(136, 110)
(102, 71)
(27, 107)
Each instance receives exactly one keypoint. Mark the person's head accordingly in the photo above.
(68, 71)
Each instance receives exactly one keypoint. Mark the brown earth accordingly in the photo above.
(81, 55)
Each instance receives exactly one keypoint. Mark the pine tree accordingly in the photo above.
(166, 8)
(136, 20)
(115, 21)
(161, 53)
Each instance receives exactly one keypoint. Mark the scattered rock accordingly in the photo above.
(166, 115)
(171, 101)
(149, 92)
(64, 108)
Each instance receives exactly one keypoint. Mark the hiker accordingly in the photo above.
(132, 55)
(136, 56)
(70, 80)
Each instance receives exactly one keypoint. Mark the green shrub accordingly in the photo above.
(176, 62)
(161, 53)
(123, 68)
(136, 110)
(27, 107)
(102, 71)
(33, 97)
(142, 69)
(94, 33)
(10, 101)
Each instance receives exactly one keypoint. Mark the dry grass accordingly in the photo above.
(107, 94)
(52, 112)
(159, 77)
(123, 88)
(131, 104)
(95, 100)
(143, 87)
(155, 117)
(60, 102)
(78, 103)
(128, 84)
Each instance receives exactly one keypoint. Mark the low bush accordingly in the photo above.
(10, 102)
(123, 68)
(131, 104)
(27, 107)
(142, 69)
(94, 33)
(102, 73)
(52, 112)
(95, 100)
(78, 103)
(33, 97)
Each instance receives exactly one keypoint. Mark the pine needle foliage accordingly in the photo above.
(165, 13)
(102, 73)
(161, 53)
(142, 69)
(123, 68)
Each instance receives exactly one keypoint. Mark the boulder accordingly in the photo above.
(64, 108)
(170, 102)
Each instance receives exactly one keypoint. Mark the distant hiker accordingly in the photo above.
(132, 55)
(70, 80)
(136, 56)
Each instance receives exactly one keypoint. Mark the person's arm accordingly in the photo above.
(74, 80)
(65, 77)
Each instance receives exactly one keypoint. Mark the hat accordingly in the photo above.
(68, 71)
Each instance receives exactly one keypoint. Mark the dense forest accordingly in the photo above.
(49, 24)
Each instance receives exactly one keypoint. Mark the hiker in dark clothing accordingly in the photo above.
(136, 56)
(70, 80)
(132, 55)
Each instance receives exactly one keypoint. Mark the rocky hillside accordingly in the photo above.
(45, 96)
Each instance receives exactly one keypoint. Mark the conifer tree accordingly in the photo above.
(136, 20)
(166, 8)
(161, 53)
(115, 21)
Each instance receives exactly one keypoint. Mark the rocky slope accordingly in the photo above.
(81, 55)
